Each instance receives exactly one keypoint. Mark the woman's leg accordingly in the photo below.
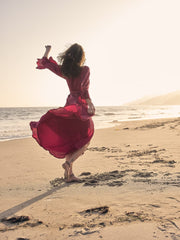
(70, 159)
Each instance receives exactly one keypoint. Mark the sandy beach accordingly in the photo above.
(129, 189)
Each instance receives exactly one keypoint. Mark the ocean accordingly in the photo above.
(14, 122)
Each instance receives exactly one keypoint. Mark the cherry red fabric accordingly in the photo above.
(65, 129)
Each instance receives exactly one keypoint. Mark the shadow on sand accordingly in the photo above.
(27, 203)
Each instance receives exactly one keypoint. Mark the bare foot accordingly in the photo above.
(73, 178)
(66, 167)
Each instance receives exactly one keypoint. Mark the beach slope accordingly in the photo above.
(129, 190)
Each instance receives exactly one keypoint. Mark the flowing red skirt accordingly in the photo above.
(63, 130)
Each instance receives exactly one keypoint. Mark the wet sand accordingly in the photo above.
(129, 189)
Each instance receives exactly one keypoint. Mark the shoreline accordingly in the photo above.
(130, 171)
(115, 123)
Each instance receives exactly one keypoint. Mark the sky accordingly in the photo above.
(132, 48)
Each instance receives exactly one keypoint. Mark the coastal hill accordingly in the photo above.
(172, 98)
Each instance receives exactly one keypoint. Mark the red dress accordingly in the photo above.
(65, 129)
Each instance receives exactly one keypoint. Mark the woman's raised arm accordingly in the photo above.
(48, 48)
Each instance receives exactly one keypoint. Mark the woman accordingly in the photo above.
(66, 131)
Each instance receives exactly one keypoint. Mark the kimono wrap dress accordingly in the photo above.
(66, 129)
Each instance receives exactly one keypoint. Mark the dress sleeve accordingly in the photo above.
(50, 64)
(85, 83)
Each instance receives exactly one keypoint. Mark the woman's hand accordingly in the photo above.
(48, 48)
(91, 108)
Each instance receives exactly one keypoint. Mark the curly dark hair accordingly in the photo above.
(71, 61)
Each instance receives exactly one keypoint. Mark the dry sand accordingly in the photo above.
(130, 187)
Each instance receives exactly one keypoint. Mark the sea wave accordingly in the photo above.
(14, 122)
